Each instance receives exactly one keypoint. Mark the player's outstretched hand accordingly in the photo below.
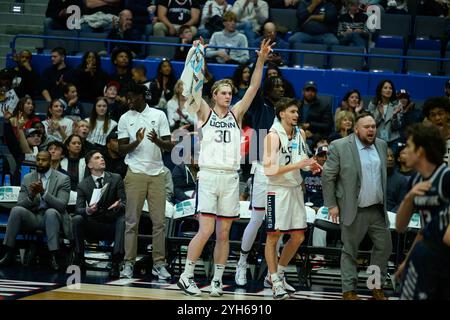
(266, 49)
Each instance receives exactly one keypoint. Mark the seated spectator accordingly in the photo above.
(102, 220)
(274, 71)
(73, 162)
(143, 14)
(139, 75)
(44, 139)
(73, 108)
(316, 118)
(122, 59)
(56, 14)
(386, 111)
(165, 81)
(57, 152)
(403, 168)
(351, 102)
(57, 127)
(437, 111)
(24, 112)
(352, 29)
(410, 114)
(8, 96)
(173, 14)
(98, 14)
(229, 37)
(434, 8)
(184, 178)
(177, 114)
(212, 16)
(114, 161)
(316, 144)
(100, 125)
(317, 21)
(41, 205)
(396, 185)
(345, 121)
(90, 78)
(186, 37)
(29, 79)
(125, 30)
(270, 32)
(313, 182)
(251, 15)
(241, 81)
(82, 129)
(397, 7)
(56, 76)
(116, 107)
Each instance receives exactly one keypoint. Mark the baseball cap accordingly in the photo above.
(31, 131)
(112, 136)
(321, 150)
(112, 84)
(310, 84)
(402, 93)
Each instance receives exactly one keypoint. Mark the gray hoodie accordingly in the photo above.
(226, 39)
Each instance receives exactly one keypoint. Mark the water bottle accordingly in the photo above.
(325, 212)
(7, 182)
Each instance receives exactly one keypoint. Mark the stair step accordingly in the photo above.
(21, 28)
(5, 39)
(36, 8)
(26, 19)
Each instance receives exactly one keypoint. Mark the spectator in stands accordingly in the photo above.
(100, 125)
(177, 114)
(410, 113)
(82, 129)
(8, 96)
(139, 75)
(125, 30)
(122, 60)
(114, 161)
(273, 91)
(73, 163)
(345, 120)
(57, 152)
(73, 108)
(403, 168)
(174, 13)
(90, 78)
(283, 4)
(251, 15)
(29, 79)
(317, 21)
(98, 14)
(397, 7)
(56, 14)
(186, 37)
(116, 107)
(44, 139)
(241, 81)
(102, 220)
(316, 118)
(229, 37)
(317, 143)
(352, 29)
(386, 110)
(24, 112)
(143, 14)
(41, 205)
(165, 81)
(270, 32)
(437, 111)
(57, 127)
(396, 184)
(436, 8)
(351, 102)
(313, 181)
(57, 75)
(212, 16)
(274, 71)
(184, 178)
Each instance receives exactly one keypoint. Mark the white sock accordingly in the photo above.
(243, 258)
(189, 268)
(281, 269)
(218, 272)
(275, 277)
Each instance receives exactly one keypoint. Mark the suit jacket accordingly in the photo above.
(114, 191)
(57, 196)
(341, 179)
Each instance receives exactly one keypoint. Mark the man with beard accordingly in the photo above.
(354, 190)
(437, 111)
(41, 205)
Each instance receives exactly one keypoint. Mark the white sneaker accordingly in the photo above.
(216, 289)
(279, 293)
(160, 271)
(267, 281)
(241, 274)
(127, 271)
(287, 286)
(188, 285)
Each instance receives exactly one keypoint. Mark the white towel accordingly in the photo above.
(193, 78)
(298, 144)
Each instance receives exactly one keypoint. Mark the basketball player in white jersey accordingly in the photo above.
(284, 155)
(218, 181)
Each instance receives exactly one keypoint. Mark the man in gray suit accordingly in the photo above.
(104, 219)
(354, 190)
(41, 205)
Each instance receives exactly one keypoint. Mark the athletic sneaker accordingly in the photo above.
(279, 293)
(267, 281)
(216, 289)
(127, 271)
(188, 285)
(241, 274)
(290, 289)
(161, 271)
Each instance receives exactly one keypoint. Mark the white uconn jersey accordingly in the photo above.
(220, 146)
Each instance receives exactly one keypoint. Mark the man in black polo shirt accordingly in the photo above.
(172, 14)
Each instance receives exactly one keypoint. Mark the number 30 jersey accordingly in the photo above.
(220, 143)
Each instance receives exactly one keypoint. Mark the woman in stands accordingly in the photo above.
(90, 77)
(351, 102)
(100, 125)
(386, 110)
(274, 71)
(74, 163)
(241, 81)
(345, 120)
(23, 113)
(177, 113)
(165, 81)
(57, 127)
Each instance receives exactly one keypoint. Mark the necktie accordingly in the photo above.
(99, 182)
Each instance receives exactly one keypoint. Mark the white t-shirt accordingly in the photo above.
(173, 115)
(97, 135)
(147, 157)
(65, 123)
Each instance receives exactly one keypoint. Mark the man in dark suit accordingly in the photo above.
(41, 205)
(104, 219)
(354, 190)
